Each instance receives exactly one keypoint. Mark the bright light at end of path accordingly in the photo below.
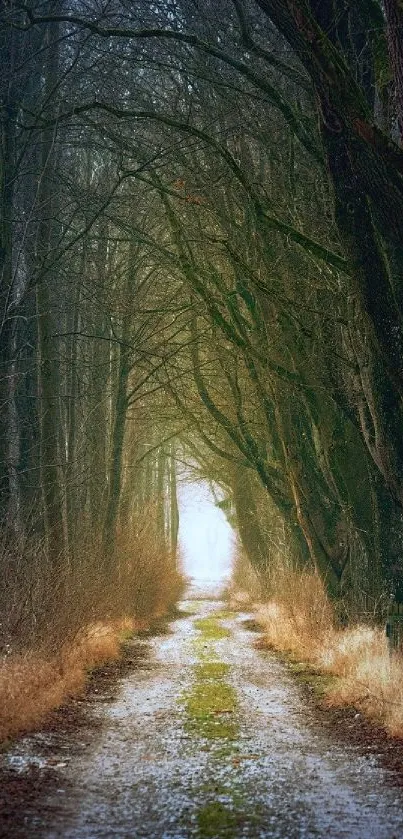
(206, 539)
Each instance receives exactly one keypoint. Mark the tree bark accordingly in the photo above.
(174, 508)
(48, 376)
(394, 17)
(366, 171)
(115, 464)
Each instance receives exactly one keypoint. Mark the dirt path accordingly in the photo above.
(207, 738)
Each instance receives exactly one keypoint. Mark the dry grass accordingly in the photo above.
(31, 684)
(41, 608)
(54, 628)
(369, 677)
(298, 620)
(245, 586)
(299, 616)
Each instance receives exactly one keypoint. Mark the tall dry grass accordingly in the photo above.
(33, 683)
(299, 620)
(245, 587)
(56, 627)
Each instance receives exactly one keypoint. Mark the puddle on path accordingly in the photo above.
(149, 773)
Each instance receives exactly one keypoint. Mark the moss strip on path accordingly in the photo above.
(211, 629)
(215, 819)
(211, 700)
(211, 706)
(211, 670)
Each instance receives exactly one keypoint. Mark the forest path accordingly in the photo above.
(210, 737)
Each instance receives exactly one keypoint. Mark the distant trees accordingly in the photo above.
(207, 205)
(83, 332)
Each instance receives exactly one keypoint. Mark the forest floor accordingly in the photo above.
(197, 733)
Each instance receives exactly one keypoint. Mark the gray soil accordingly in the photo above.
(142, 771)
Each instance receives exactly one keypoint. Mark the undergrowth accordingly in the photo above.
(32, 684)
(299, 620)
(57, 626)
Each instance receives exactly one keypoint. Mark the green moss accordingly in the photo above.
(211, 670)
(215, 697)
(319, 683)
(211, 629)
(209, 707)
(213, 729)
(224, 748)
(211, 701)
(215, 819)
(203, 651)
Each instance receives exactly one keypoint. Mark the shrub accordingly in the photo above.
(57, 625)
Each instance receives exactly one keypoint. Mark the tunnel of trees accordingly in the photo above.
(201, 255)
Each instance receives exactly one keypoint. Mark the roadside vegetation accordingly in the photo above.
(74, 624)
(201, 261)
(345, 665)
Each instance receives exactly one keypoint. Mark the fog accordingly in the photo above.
(205, 537)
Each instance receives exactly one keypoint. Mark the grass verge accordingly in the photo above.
(360, 670)
(58, 624)
(32, 685)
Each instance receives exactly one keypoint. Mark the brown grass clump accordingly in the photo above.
(245, 586)
(298, 617)
(299, 620)
(31, 684)
(56, 627)
(42, 608)
(369, 677)
(29, 687)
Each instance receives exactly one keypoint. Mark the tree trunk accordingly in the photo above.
(247, 519)
(71, 475)
(394, 16)
(99, 417)
(161, 475)
(48, 376)
(8, 431)
(366, 171)
(174, 508)
(115, 464)
(119, 409)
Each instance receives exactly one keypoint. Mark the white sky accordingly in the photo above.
(205, 537)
